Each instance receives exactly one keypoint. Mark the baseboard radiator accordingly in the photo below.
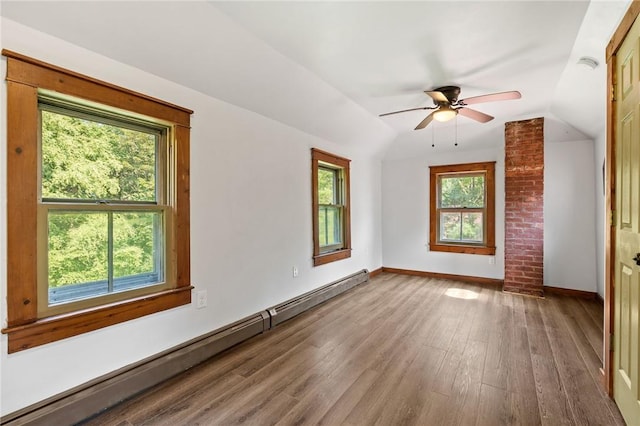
(93, 397)
(297, 305)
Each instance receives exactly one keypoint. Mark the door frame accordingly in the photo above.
(610, 197)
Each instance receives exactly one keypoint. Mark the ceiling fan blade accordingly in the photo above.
(502, 96)
(424, 123)
(437, 96)
(475, 115)
(405, 110)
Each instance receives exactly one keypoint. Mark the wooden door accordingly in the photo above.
(626, 375)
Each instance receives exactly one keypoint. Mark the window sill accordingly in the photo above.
(322, 259)
(460, 248)
(51, 329)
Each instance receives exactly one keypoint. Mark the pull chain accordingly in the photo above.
(433, 137)
(456, 131)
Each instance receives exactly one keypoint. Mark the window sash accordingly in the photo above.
(75, 109)
(52, 301)
(461, 240)
(336, 185)
(118, 288)
(331, 238)
(442, 176)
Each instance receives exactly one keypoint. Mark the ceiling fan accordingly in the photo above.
(447, 105)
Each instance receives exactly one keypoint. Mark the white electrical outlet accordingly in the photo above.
(295, 271)
(201, 299)
(492, 260)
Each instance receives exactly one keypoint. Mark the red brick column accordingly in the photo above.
(524, 218)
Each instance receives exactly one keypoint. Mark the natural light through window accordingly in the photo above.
(98, 228)
(462, 208)
(331, 221)
(102, 187)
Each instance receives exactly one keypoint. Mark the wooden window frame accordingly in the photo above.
(488, 247)
(26, 78)
(321, 157)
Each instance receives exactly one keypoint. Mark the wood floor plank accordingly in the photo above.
(585, 399)
(590, 329)
(496, 367)
(557, 307)
(446, 374)
(519, 317)
(493, 407)
(401, 350)
(465, 322)
(372, 402)
(481, 328)
(595, 308)
(465, 392)
(437, 411)
(330, 408)
(408, 399)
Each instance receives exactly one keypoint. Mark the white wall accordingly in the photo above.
(405, 212)
(250, 224)
(570, 215)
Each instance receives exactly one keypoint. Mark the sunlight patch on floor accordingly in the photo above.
(460, 293)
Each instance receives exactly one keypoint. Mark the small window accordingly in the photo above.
(331, 230)
(462, 208)
(330, 209)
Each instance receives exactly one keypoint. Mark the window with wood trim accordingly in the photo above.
(97, 204)
(331, 213)
(462, 208)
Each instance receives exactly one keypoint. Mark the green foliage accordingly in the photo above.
(462, 191)
(89, 160)
(456, 226)
(77, 248)
(326, 186)
(133, 243)
(84, 159)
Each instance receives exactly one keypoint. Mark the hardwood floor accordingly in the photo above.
(400, 350)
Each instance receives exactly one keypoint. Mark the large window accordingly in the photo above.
(331, 224)
(98, 206)
(103, 204)
(462, 208)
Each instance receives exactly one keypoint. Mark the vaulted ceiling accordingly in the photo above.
(330, 68)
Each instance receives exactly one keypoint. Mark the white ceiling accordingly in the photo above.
(330, 68)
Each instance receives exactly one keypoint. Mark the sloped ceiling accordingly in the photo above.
(330, 68)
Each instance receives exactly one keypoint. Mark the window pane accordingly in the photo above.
(462, 191)
(137, 249)
(461, 227)
(330, 225)
(78, 255)
(88, 160)
(450, 226)
(97, 253)
(472, 224)
(327, 186)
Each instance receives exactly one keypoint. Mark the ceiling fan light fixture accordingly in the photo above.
(445, 113)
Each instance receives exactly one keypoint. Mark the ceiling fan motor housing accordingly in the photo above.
(450, 92)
